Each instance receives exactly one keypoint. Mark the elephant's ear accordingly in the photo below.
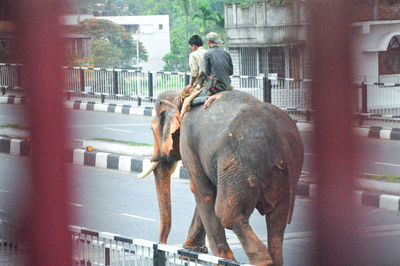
(156, 135)
(172, 125)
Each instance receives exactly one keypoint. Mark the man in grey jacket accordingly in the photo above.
(218, 66)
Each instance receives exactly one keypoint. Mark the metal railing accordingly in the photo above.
(132, 84)
(97, 248)
(377, 98)
(102, 248)
(380, 98)
(11, 250)
(10, 75)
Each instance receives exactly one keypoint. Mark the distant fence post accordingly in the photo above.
(267, 87)
(19, 76)
(107, 257)
(158, 256)
(115, 81)
(187, 79)
(364, 107)
(82, 79)
(150, 85)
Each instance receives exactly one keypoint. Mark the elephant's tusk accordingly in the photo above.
(148, 171)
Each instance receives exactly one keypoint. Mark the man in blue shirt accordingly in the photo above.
(218, 67)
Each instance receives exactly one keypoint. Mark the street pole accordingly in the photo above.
(138, 34)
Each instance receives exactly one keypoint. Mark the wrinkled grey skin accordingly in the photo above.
(241, 154)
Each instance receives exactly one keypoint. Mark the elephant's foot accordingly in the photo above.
(266, 262)
(198, 249)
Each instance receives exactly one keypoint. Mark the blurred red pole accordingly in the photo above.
(336, 219)
(39, 48)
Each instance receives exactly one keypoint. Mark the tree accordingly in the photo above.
(187, 5)
(205, 15)
(220, 24)
(116, 35)
(105, 54)
(7, 52)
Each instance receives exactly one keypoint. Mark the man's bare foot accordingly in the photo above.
(209, 101)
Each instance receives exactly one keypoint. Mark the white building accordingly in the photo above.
(377, 51)
(153, 32)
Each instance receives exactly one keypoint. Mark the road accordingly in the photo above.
(118, 202)
(373, 156)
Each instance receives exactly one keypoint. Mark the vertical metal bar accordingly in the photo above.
(336, 219)
(187, 79)
(150, 86)
(364, 107)
(39, 48)
(267, 86)
(82, 78)
(107, 260)
(115, 81)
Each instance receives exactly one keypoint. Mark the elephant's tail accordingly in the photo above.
(292, 193)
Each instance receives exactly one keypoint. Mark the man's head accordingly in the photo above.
(212, 39)
(195, 42)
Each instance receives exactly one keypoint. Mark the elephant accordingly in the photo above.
(241, 154)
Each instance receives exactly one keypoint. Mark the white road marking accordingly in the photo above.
(120, 130)
(76, 204)
(388, 164)
(112, 125)
(139, 217)
(5, 191)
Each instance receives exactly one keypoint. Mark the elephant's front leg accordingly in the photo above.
(205, 202)
(197, 235)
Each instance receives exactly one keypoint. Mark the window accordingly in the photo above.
(160, 26)
(248, 57)
(294, 62)
(276, 61)
(389, 60)
(248, 66)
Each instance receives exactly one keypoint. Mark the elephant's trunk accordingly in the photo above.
(163, 185)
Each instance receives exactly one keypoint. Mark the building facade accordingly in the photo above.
(265, 39)
(376, 41)
(152, 31)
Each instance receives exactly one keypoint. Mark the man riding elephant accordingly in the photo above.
(217, 67)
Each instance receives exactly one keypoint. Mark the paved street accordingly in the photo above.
(118, 202)
(374, 156)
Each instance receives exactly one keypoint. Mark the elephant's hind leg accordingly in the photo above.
(237, 196)
(204, 193)
(276, 224)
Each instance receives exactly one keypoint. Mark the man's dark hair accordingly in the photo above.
(196, 40)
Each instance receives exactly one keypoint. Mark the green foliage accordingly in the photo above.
(116, 36)
(205, 15)
(105, 54)
(187, 17)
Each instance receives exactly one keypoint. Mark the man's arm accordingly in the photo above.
(207, 64)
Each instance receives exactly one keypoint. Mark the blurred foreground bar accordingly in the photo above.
(331, 94)
(39, 49)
